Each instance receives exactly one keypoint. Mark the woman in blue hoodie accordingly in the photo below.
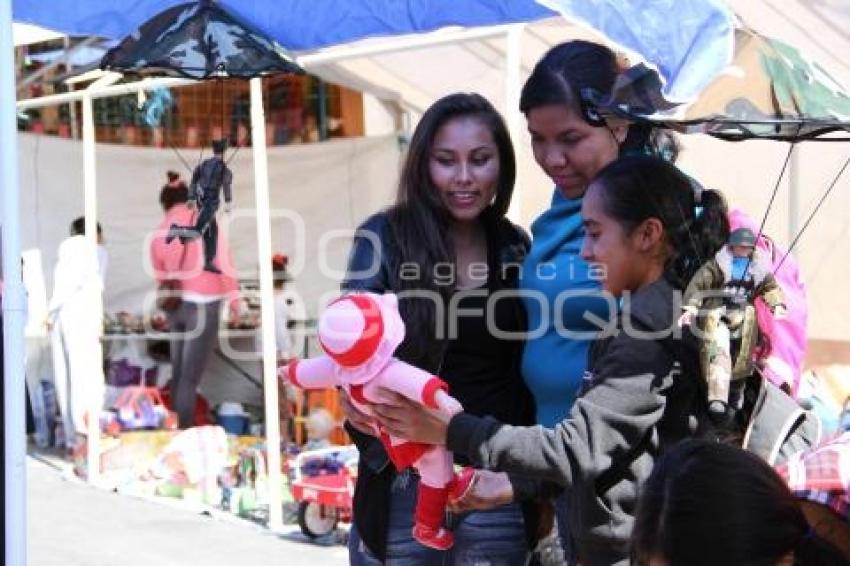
(571, 143)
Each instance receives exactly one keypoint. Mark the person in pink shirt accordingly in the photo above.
(194, 323)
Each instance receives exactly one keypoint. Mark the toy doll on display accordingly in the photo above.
(721, 296)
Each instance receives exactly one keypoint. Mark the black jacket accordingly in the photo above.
(373, 257)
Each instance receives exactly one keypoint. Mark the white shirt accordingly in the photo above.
(76, 277)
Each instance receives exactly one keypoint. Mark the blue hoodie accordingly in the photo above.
(553, 365)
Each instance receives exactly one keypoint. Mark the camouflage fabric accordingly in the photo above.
(197, 40)
(769, 91)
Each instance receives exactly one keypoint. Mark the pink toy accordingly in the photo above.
(359, 333)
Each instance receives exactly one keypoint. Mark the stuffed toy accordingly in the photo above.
(359, 333)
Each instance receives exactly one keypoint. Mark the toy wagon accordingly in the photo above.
(323, 485)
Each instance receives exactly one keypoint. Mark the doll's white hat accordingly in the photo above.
(360, 332)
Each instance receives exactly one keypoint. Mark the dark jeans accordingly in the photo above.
(495, 537)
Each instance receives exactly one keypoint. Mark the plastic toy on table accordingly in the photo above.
(137, 408)
(245, 484)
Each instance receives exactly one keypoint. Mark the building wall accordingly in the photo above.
(294, 107)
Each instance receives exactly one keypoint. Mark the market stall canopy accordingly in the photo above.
(296, 24)
(456, 47)
(692, 67)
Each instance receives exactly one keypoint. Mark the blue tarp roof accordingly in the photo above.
(295, 24)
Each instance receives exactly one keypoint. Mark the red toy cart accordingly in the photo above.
(323, 485)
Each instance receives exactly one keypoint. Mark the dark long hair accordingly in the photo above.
(419, 220)
(571, 67)
(637, 187)
(709, 503)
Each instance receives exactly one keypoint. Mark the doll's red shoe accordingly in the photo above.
(461, 484)
(439, 539)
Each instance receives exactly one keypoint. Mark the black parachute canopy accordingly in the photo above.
(770, 90)
(197, 40)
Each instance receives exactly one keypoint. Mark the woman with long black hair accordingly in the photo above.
(445, 248)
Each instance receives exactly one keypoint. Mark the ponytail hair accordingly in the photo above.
(637, 187)
(697, 240)
(708, 503)
(570, 68)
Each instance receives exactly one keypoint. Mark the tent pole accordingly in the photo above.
(72, 106)
(513, 117)
(89, 170)
(264, 252)
(14, 305)
(90, 202)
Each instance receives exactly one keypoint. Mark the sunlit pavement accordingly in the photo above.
(73, 524)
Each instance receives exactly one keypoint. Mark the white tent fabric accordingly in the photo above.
(326, 187)
(818, 28)
(26, 34)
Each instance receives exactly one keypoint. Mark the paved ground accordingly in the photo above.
(72, 524)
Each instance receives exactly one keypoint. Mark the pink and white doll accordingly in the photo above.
(359, 333)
